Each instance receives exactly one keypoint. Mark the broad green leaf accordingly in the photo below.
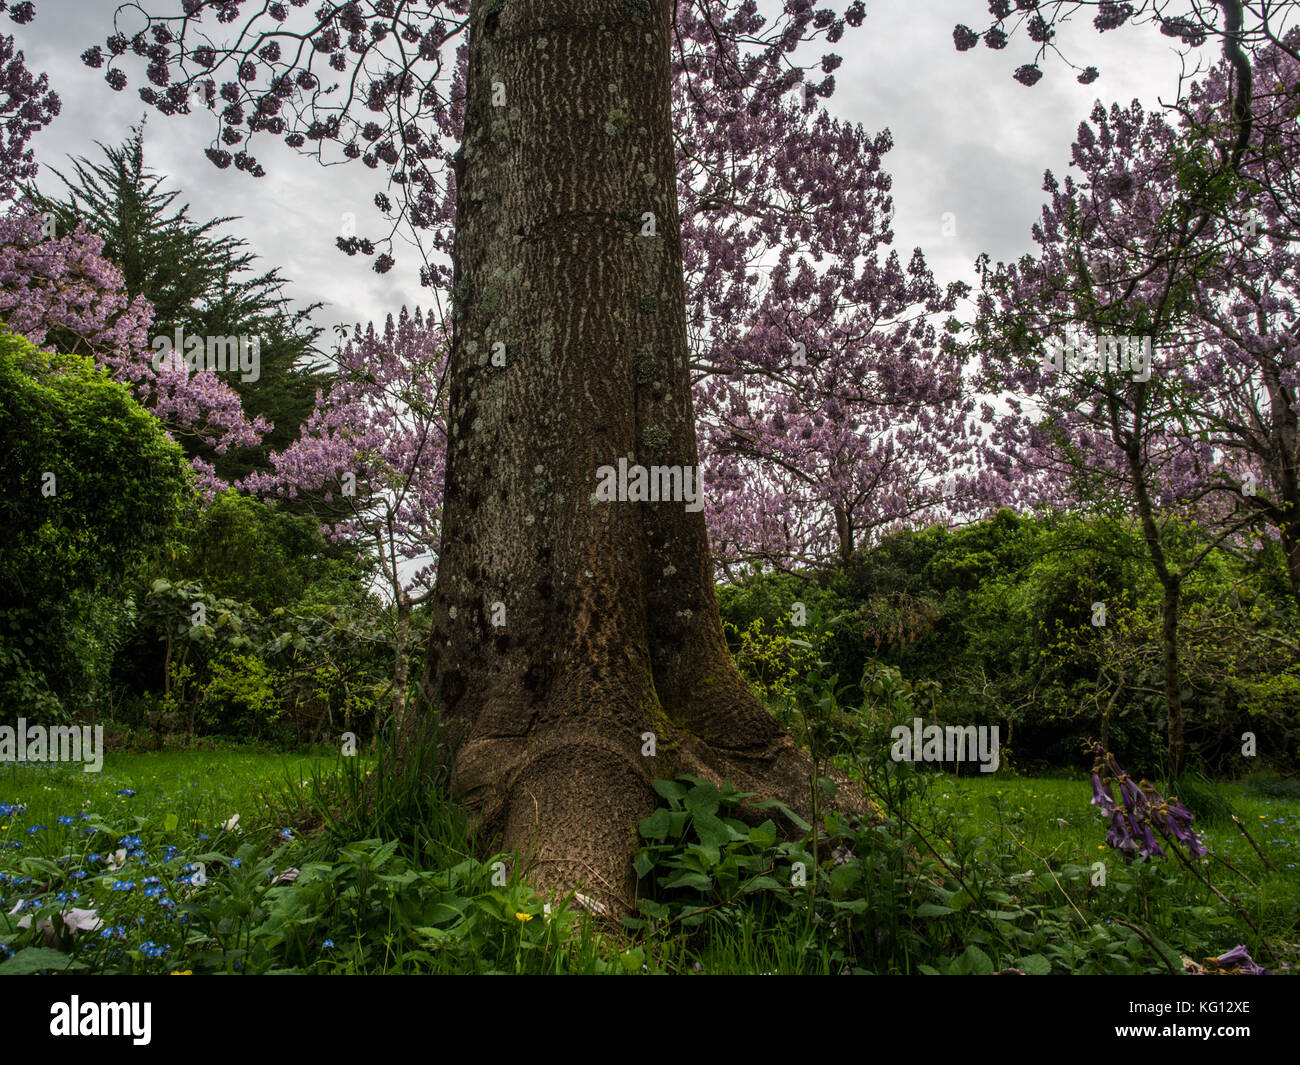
(695, 881)
(656, 825)
(703, 798)
(670, 789)
(980, 964)
(795, 819)
(714, 832)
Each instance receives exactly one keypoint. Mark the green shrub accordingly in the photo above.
(93, 482)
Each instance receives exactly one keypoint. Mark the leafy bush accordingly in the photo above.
(997, 618)
(93, 483)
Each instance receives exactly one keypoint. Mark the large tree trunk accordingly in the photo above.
(565, 628)
(1281, 456)
(1288, 525)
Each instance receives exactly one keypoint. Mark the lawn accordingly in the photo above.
(973, 873)
(200, 787)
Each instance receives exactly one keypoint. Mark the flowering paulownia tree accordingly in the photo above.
(1176, 236)
(61, 291)
(375, 448)
(828, 410)
(806, 462)
(26, 106)
(606, 665)
(1246, 380)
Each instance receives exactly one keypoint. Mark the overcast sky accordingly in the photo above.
(968, 140)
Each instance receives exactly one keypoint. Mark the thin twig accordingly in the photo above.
(1058, 884)
(1224, 861)
(1237, 821)
(1227, 901)
(1150, 942)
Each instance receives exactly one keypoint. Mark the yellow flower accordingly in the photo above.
(187, 972)
(523, 916)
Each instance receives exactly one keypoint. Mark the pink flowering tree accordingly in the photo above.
(375, 449)
(806, 464)
(1247, 377)
(26, 106)
(828, 408)
(61, 290)
(1169, 261)
(1111, 436)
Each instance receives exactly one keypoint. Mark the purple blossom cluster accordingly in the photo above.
(1140, 813)
(1219, 420)
(382, 429)
(26, 105)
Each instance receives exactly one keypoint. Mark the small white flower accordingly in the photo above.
(229, 826)
(115, 861)
(74, 920)
(82, 920)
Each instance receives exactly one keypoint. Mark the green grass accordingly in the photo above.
(1025, 847)
(201, 787)
(1027, 812)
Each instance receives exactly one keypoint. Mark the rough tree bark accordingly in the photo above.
(565, 628)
